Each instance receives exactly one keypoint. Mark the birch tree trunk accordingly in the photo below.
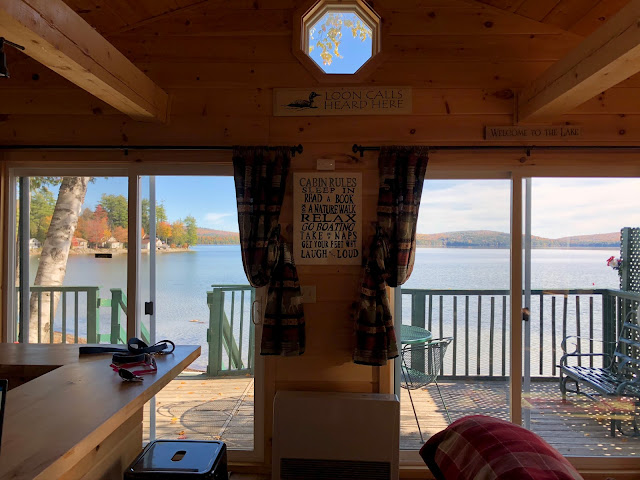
(55, 252)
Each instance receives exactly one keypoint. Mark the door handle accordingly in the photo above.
(255, 313)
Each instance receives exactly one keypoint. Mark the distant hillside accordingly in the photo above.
(463, 239)
(208, 236)
(490, 239)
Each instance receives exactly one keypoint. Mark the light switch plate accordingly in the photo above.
(308, 293)
(325, 164)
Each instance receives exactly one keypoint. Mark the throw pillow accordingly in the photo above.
(479, 447)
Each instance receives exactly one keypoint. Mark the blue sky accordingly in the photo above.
(561, 207)
(211, 200)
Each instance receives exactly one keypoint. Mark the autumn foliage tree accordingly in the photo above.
(178, 233)
(163, 230)
(327, 34)
(121, 234)
(94, 226)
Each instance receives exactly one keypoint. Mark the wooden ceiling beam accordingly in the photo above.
(54, 35)
(608, 56)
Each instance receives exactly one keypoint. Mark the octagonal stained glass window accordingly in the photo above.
(340, 37)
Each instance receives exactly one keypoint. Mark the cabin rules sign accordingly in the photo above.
(295, 102)
(327, 218)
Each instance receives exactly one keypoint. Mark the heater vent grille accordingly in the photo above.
(317, 469)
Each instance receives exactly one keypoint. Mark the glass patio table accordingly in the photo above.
(414, 335)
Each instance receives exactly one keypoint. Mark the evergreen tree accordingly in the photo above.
(192, 230)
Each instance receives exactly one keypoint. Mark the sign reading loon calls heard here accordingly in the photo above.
(371, 100)
(327, 218)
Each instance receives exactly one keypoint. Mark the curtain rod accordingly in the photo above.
(526, 148)
(295, 149)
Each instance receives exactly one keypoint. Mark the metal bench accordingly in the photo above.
(619, 377)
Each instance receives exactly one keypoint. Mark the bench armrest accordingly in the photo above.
(633, 385)
(563, 359)
(564, 343)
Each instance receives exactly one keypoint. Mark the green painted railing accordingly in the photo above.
(70, 315)
(118, 304)
(231, 333)
(478, 322)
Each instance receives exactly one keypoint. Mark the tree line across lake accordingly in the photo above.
(109, 220)
(491, 239)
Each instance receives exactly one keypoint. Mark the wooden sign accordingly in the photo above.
(327, 218)
(533, 132)
(316, 101)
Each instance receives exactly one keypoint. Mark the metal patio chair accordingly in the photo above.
(421, 366)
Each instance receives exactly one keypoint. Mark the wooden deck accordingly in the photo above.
(193, 407)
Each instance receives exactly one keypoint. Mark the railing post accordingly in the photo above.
(418, 309)
(252, 335)
(93, 315)
(116, 299)
(215, 301)
(609, 334)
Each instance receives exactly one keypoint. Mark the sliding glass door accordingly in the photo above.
(577, 299)
(458, 291)
(194, 291)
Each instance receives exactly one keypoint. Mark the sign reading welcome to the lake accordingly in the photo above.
(533, 132)
(327, 218)
(314, 101)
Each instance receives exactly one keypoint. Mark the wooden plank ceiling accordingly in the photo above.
(581, 17)
(112, 16)
(218, 60)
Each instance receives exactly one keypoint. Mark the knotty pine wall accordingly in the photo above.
(219, 61)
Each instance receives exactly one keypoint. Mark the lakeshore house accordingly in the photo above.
(112, 243)
(490, 89)
(34, 244)
(78, 242)
(146, 242)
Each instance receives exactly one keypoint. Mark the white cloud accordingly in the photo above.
(560, 207)
(564, 207)
(464, 205)
(221, 221)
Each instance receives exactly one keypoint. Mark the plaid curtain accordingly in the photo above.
(260, 177)
(283, 331)
(392, 253)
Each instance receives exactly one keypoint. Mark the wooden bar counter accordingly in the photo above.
(77, 419)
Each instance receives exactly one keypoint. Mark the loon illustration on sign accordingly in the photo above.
(371, 100)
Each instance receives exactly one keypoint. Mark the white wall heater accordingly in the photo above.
(335, 436)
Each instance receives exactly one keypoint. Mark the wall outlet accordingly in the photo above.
(308, 293)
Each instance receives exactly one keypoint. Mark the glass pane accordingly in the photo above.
(576, 295)
(203, 298)
(459, 289)
(340, 42)
(77, 260)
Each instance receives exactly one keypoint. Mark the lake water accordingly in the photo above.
(183, 279)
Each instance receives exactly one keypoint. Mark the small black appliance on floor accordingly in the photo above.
(180, 460)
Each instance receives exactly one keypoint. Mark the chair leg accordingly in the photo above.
(415, 415)
(443, 404)
(412, 405)
(563, 387)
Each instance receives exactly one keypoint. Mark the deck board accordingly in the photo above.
(195, 407)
